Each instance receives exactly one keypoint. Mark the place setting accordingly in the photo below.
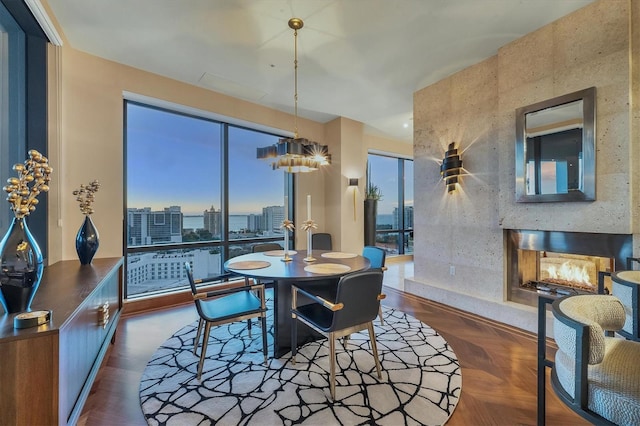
(279, 253)
(338, 255)
(327, 268)
(249, 264)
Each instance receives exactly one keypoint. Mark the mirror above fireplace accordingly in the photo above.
(555, 149)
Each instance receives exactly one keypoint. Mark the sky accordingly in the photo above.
(174, 160)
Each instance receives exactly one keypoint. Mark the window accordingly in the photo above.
(394, 222)
(12, 143)
(23, 65)
(195, 192)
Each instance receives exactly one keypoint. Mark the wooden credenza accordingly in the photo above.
(46, 372)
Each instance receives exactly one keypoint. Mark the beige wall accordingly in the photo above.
(476, 109)
(86, 143)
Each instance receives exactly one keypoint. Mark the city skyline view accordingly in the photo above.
(183, 170)
(189, 150)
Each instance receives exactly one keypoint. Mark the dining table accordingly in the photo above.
(326, 268)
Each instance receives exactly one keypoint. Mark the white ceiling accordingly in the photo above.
(360, 59)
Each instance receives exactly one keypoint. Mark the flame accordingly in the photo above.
(569, 272)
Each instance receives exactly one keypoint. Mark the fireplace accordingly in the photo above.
(562, 262)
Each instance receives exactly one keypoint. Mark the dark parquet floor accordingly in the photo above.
(498, 366)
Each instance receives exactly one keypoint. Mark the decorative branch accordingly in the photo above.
(33, 178)
(86, 196)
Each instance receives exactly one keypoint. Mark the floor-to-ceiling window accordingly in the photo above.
(195, 192)
(23, 103)
(394, 221)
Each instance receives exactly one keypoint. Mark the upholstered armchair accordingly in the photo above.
(595, 375)
(353, 309)
(625, 285)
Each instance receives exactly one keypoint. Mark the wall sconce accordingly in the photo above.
(353, 182)
(451, 167)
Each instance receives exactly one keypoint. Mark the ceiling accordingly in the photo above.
(360, 59)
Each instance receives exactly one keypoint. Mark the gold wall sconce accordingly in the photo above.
(451, 167)
(353, 182)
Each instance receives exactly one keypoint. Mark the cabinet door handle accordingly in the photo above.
(103, 315)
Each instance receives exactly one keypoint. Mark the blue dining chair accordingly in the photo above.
(224, 306)
(377, 257)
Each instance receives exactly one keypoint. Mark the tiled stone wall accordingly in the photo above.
(459, 245)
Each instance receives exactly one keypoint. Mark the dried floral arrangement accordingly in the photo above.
(33, 178)
(86, 196)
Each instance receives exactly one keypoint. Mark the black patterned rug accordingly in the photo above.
(421, 380)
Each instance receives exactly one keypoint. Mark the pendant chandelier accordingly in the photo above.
(296, 154)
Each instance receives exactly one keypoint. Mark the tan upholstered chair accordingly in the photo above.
(625, 286)
(595, 375)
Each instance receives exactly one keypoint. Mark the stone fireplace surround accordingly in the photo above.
(459, 246)
(617, 247)
(521, 315)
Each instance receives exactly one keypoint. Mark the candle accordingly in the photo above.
(308, 207)
(286, 207)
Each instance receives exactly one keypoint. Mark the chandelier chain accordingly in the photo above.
(295, 84)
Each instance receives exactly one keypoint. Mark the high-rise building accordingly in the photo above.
(408, 218)
(213, 221)
(148, 227)
(254, 222)
(272, 218)
(162, 270)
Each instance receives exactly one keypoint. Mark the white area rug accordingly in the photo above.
(421, 380)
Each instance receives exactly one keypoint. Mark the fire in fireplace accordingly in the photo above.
(570, 270)
(561, 262)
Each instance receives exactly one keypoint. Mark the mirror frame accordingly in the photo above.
(588, 193)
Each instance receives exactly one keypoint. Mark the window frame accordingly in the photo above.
(28, 126)
(402, 229)
(224, 242)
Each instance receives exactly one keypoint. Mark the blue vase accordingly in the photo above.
(21, 267)
(87, 241)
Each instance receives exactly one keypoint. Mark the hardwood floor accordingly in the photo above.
(498, 364)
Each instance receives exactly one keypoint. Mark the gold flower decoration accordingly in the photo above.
(33, 178)
(288, 225)
(86, 196)
(309, 224)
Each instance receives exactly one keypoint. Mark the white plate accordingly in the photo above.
(327, 268)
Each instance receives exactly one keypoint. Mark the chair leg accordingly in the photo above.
(196, 341)
(263, 322)
(203, 354)
(294, 337)
(380, 315)
(332, 366)
(374, 348)
(249, 327)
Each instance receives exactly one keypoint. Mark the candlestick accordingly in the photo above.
(308, 207)
(286, 257)
(309, 257)
(286, 207)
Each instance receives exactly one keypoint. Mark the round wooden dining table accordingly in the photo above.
(328, 267)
